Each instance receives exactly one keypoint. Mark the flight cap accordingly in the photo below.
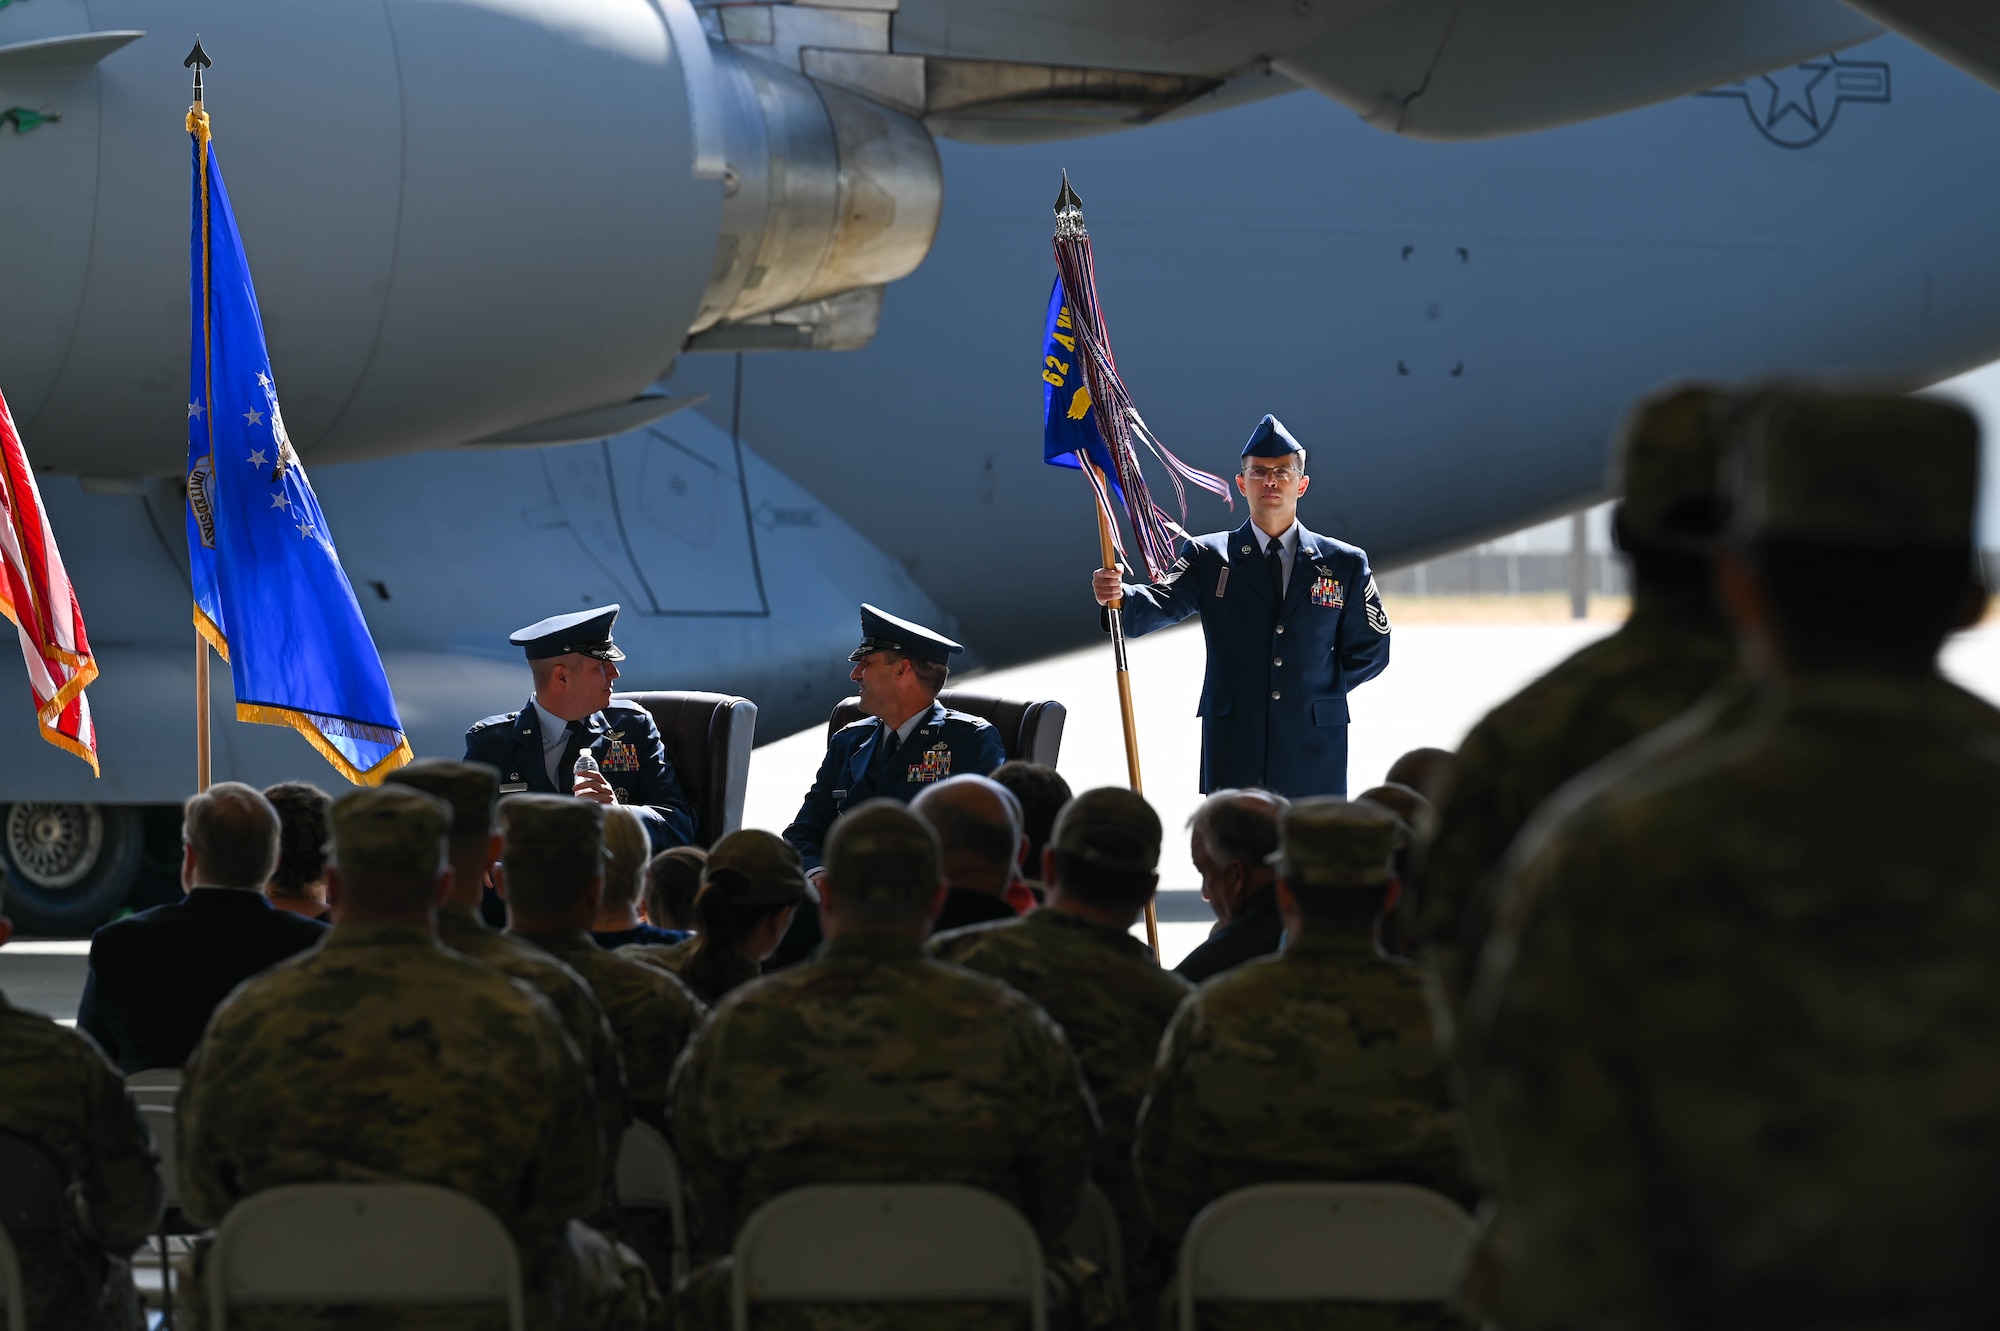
(390, 830)
(880, 851)
(558, 830)
(584, 632)
(755, 868)
(1666, 468)
(1417, 814)
(884, 632)
(1109, 828)
(1868, 469)
(1325, 842)
(471, 789)
(1271, 440)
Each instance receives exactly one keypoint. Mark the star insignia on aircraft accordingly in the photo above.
(281, 500)
(1792, 92)
(194, 410)
(1795, 107)
(257, 458)
(254, 416)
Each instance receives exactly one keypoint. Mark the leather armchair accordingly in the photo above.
(1030, 731)
(708, 736)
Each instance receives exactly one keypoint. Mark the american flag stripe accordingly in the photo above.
(35, 593)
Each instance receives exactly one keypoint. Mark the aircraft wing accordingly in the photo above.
(1967, 34)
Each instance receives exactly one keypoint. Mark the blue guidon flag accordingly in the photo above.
(269, 592)
(1069, 427)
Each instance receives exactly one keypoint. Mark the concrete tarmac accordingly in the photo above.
(1441, 679)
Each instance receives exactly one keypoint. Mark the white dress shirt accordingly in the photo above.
(555, 735)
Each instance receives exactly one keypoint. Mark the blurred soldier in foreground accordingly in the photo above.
(979, 832)
(1730, 1048)
(1673, 649)
(1398, 933)
(1314, 1065)
(1292, 620)
(551, 874)
(383, 1056)
(471, 790)
(1230, 838)
(873, 1063)
(1077, 958)
(58, 1091)
(749, 888)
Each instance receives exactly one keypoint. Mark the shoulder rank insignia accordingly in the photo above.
(619, 757)
(935, 765)
(1327, 592)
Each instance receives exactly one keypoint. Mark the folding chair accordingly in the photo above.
(887, 1243)
(155, 1086)
(1307, 1242)
(160, 1120)
(32, 1201)
(649, 1175)
(1095, 1235)
(401, 1244)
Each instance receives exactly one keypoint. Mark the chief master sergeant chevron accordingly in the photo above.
(573, 661)
(1292, 619)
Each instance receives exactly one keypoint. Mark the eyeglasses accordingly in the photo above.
(1261, 474)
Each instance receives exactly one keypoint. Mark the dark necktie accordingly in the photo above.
(579, 736)
(1274, 555)
(885, 749)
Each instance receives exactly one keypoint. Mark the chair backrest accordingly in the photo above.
(1029, 731)
(708, 736)
(1095, 1235)
(1297, 1242)
(364, 1243)
(649, 1175)
(887, 1243)
(160, 1119)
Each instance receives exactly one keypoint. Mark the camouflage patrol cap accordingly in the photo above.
(552, 829)
(471, 789)
(1665, 468)
(1417, 814)
(1869, 469)
(391, 830)
(880, 851)
(1109, 828)
(755, 868)
(1331, 843)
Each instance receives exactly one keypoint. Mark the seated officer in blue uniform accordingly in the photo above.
(1292, 621)
(574, 661)
(906, 742)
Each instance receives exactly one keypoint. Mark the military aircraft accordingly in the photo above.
(731, 315)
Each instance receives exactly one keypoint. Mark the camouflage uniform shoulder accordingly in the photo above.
(665, 956)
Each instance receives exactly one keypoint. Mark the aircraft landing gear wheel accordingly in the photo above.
(69, 866)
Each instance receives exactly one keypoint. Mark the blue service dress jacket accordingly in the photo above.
(626, 743)
(945, 743)
(1274, 701)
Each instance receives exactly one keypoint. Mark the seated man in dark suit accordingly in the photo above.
(981, 835)
(1229, 837)
(155, 978)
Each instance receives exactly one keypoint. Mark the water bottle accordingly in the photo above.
(586, 765)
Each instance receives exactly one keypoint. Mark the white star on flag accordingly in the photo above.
(257, 458)
(194, 410)
(253, 416)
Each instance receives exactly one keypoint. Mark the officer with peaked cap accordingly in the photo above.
(906, 741)
(574, 663)
(1292, 619)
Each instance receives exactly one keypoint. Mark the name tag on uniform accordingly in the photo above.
(1327, 592)
(936, 765)
(1222, 582)
(513, 789)
(618, 757)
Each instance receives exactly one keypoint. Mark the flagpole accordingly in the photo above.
(200, 713)
(1114, 613)
(197, 123)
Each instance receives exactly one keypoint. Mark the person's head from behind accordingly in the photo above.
(551, 862)
(302, 809)
(884, 873)
(626, 850)
(1666, 471)
(229, 838)
(1335, 865)
(673, 877)
(979, 831)
(1418, 817)
(1230, 836)
(1104, 855)
(1041, 792)
(752, 883)
(391, 863)
(470, 790)
(1851, 534)
(1426, 771)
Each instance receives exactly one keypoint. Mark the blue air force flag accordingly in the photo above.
(1069, 427)
(269, 592)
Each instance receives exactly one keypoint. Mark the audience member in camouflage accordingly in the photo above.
(873, 1063)
(381, 1056)
(1313, 1065)
(551, 871)
(750, 886)
(59, 1091)
(1077, 958)
(1673, 649)
(1730, 1048)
